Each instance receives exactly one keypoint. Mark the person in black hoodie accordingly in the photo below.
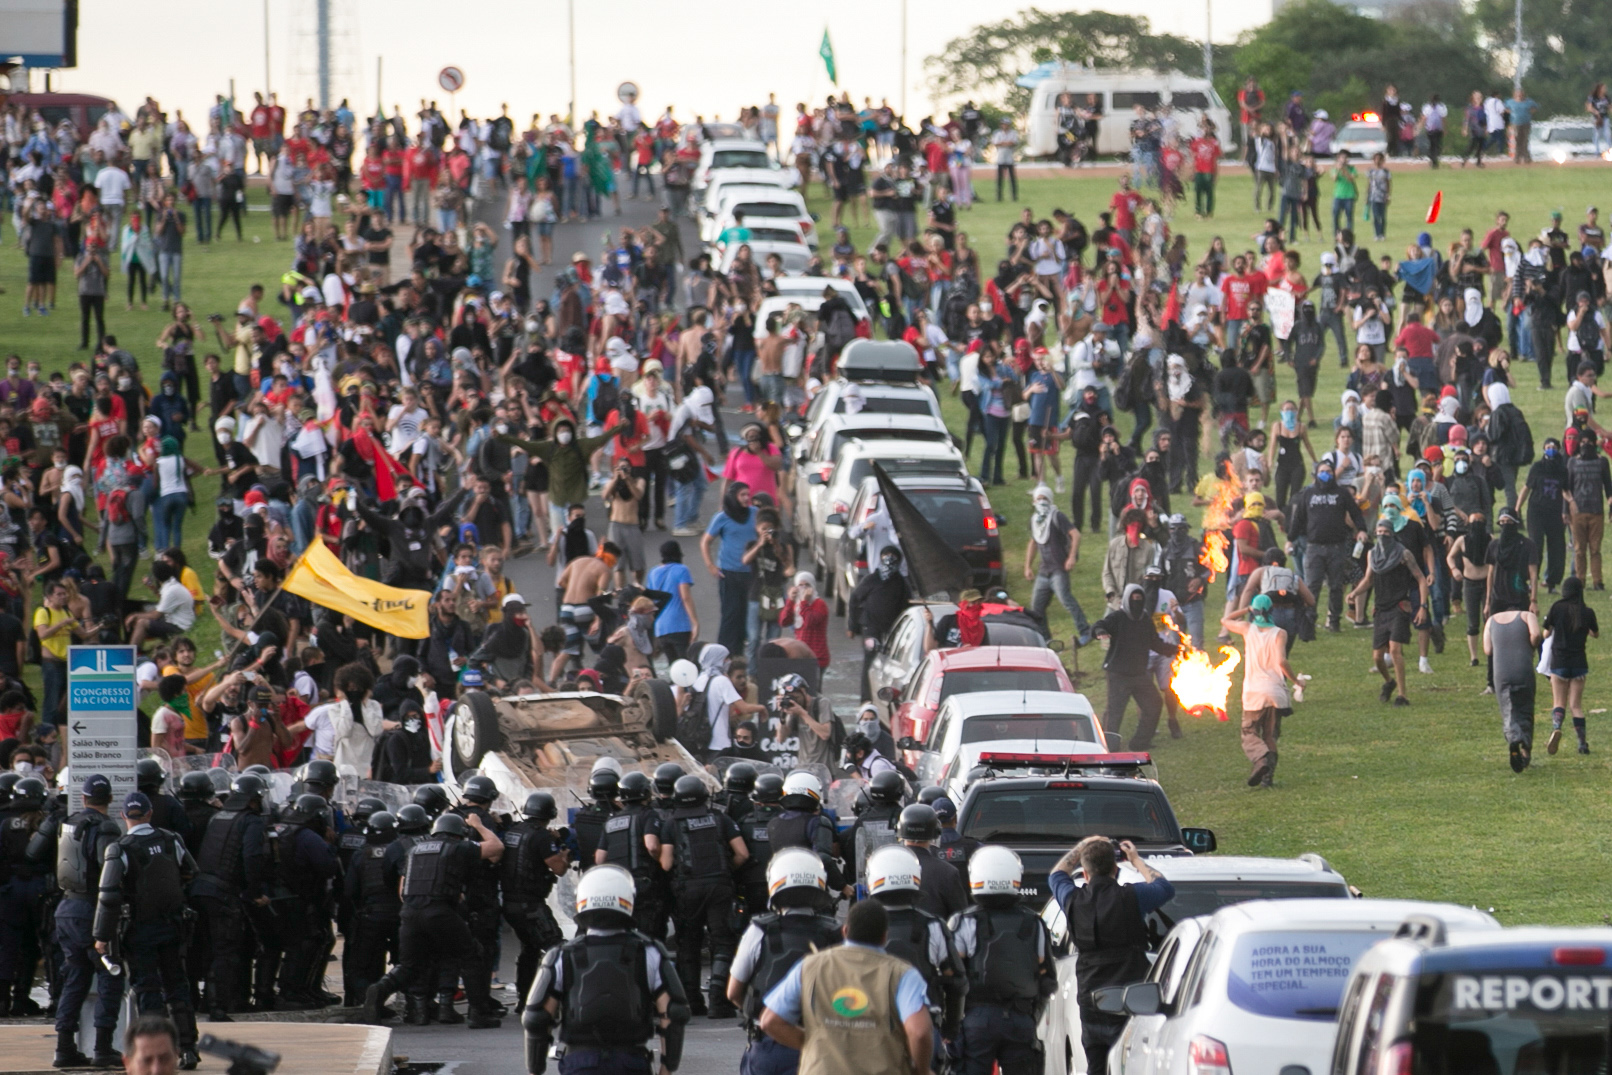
(1133, 635)
(395, 687)
(409, 537)
(1543, 500)
(875, 605)
(449, 635)
(403, 754)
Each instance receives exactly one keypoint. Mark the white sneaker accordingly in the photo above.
(1057, 486)
(1424, 667)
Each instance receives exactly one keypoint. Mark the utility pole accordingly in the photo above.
(571, 21)
(1208, 39)
(265, 49)
(1516, 75)
(322, 11)
(903, 59)
(380, 101)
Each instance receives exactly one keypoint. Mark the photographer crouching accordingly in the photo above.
(1107, 926)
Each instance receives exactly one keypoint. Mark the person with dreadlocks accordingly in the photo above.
(1392, 570)
(1132, 636)
(1265, 677)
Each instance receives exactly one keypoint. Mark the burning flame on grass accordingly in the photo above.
(1198, 682)
(1216, 521)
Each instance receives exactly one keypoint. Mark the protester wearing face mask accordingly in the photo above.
(1514, 564)
(1397, 576)
(1543, 500)
(1417, 537)
(771, 561)
(1327, 517)
(1589, 484)
(1056, 542)
(1132, 636)
(566, 455)
(806, 615)
(875, 605)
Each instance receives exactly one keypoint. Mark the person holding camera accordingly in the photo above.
(1108, 927)
(809, 717)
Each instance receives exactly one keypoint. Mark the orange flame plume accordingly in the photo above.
(1198, 682)
(1216, 519)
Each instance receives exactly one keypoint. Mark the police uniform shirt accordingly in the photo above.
(940, 952)
(652, 963)
(912, 995)
(727, 830)
(749, 953)
(963, 937)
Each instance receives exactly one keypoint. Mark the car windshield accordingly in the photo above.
(1028, 726)
(740, 158)
(843, 436)
(768, 209)
(1068, 815)
(1512, 1022)
(997, 679)
(889, 405)
(1293, 974)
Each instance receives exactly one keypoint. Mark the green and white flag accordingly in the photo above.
(826, 51)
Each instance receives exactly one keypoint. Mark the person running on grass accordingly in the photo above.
(1569, 623)
(1393, 571)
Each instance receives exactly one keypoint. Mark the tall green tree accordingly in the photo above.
(1568, 47)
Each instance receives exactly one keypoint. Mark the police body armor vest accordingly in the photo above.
(220, 853)
(589, 828)
(1107, 929)
(433, 872)
(624, 839)
(375, 896)
(786, 939)
(17, 828)
(607, 1000)
(152, 875)
(875, 829)
(78, 868)
(281, 842)
(201, 815)
(1004, 966)
(758, 841)
(909, 940)
(348, 845)
(700, 855)
(733, 804)
(481, 887)
(797, 831)
(526, 876)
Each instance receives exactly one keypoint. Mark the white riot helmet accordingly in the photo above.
(604, 896)
(992, 871)
(606, 762)
(893, 869)
(795, 878)
(683, 673)
(802, 791)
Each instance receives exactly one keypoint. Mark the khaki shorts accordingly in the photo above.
(1265, 387)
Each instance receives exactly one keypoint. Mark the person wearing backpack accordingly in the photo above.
(1292, 603)
(1510, 439)
(715, 691)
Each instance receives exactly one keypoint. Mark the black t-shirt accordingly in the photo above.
(42, 238)
(490, 519)
(46, 540)
(1546, 484)
(1232, 389)
(944, 213)
(10, 634)
(238, 455)
(906, 198)
(1393, 587)
(1566, 644)
(883, 192)
(1509, 574)
(374, 234)
(1416, 538)
(1254, 339)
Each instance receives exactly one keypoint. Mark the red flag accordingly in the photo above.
(1172, 306)
(1432, 210)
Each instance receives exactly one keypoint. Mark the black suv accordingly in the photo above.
(1042, 816)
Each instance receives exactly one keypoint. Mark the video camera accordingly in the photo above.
(243, 1059)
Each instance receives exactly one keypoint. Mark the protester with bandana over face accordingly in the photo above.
(1265, 677)
(1129, 553)
(1325, 515)
(1543, 500)
(1393, 570)
(1132, 636)
(1056, 541)
(875, 605)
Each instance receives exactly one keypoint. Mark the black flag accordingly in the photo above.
(936, 570)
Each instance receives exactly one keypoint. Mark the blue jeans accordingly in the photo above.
(168, 519)
(759, 629)
(1346, 208)
(689, 494)
(204, 219)
(172, 268)
(447, 219)
(1057, 584)
(1290, 208)
(395, 209)
(53, 675)
(996, 430)
(743, 361)
(1378, 211)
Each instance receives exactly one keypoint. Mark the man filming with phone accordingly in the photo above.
(1108, 927)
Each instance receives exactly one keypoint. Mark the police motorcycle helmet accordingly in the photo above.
(893, 874)
(8, 780)
(320, 772)
(604, 898)
(311, 809)
(244, 788)
(769, 789)
(994, 874)
(413, 819)
(540, 807)
(690, 790)
(796, 878)
(604, 786)
(802, 791)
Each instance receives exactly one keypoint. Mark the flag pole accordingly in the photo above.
(230, 656)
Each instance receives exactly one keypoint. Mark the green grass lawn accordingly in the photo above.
(1414, 802)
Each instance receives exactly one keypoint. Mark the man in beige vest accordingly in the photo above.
(854, 1008)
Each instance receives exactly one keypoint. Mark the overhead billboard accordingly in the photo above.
(39, 33)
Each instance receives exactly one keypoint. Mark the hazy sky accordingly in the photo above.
(708, 56)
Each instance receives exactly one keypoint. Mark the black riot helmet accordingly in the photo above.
(320, 771)
(540, 807)
(431, 798)
(29, 793)
(149, 775)
(666, 776)
(258, 770)
(412, 819)
(919, 822)
(635, 787)
(311, 810)
(479, 790)
(769, 788)
(246, 787)
(887, 788)
(367, 807)
(196, 786)
(928, 795)
(691, 791)
(604, 786)
(740, 778)
(8, 781)
(381, 828)
(450, 825)
(221, 780)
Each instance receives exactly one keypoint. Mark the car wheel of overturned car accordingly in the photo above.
(659, 704)
(475, 730)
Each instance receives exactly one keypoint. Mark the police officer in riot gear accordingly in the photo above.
(737, 784)
(412, 821)
(80, 848)
(23, 864)
(431, 798)
(801, 824)
(752, 876)
(943, 893)
(773, 943)
(356, 835)
(632, 841)
(374, 907)
(229, 892)
(439, 868)
(304, 870)
(953, 846)
(603, 788)
(142, 904)
(895, 877)
(167, 812)
(666, 777)
(1008, 957)
(480, 905)
(534, 858)
(876, 821)
(200, 801)
(1108, 928)
(606, 992)
(700, 848)
(8, 780)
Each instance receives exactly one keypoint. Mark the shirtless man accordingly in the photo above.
(584, 578)
(770, 357)
(688, 348)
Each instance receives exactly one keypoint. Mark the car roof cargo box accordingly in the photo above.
(879, 360)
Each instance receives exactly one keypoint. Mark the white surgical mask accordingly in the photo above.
(563, 436)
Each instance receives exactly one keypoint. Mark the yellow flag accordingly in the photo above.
(324, 580)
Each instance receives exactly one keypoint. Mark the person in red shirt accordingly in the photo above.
(1124, 204)
(372, 176)
(1250, 103)
(1494, 249)
(276, 120)
(806, 615)
(1239, 288)
(394, 160)
(262, 131)
(420, 175)
(298, 147)
(1205, 170)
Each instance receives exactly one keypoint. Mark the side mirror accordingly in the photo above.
(1055, 645)
(907, 742)
(1116, 745)
(889, 694)
(815, 479)
(1198, 841)
(1110, 999)
(836, 519)
(1143, 999)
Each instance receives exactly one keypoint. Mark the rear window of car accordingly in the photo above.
(1028, 726)
(1295, 974)
(1189, 99)
(775, 235)
(1193, 898)
(997, 679)
(740, 158)
(1571, 134)
(862, 467)
(956, 515)
(888, 405)
(1056, 815)
(767, 209)
(841, 438)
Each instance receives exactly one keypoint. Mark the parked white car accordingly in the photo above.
(731, 154)
(1004, 722)
(759, 206)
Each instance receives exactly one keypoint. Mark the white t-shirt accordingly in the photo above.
(407, 428)
(1208, 295)
(336, 288)
(1004, 143)
(165, 719)
(266, 437)
(1373, 331)
(719, 695)
(170, 474)
(1048, 255)
(113, 183)
(934, 338)
(176, 605)
(631, 119)
(968, 373)
(1494, 111)
(1572, 336)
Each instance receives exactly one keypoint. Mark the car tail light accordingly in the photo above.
(1396, 1059)
(840, 507)
(1208, 1057)
(824, 470)
(806, 226)
(990, 522)
(861, 565)
(994, 565)
(1579, 957)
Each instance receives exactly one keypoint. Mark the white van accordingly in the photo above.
(1117, 93)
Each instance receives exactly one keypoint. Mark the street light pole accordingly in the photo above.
(571, 22)
(265, 48)
(1516, 75)
(1208, 40)
(903, 59)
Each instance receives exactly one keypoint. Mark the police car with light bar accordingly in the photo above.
(1041, 805)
